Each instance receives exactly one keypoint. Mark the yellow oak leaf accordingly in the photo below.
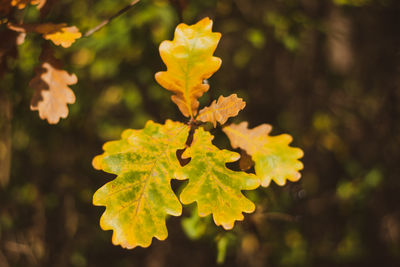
(140, 198)
(52, 93)
(216, 189)
(59, 34)
(221, 110)
(274, 158)
(189, 60)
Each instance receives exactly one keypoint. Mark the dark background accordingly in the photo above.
(324, 71)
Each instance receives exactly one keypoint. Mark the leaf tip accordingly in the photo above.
(266, 181)
(97, 161)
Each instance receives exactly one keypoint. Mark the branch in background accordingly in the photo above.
(5, 138)
(179, 5)
(105, 22)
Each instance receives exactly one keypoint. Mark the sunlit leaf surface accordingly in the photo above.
(139, 199)
(189, 60)
(215, 188)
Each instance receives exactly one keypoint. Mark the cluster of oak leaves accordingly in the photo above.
(50, 82)
(140, 198)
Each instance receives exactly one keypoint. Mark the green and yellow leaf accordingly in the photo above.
(189, 60)
(215, 188)
(139, 199)
(221, 110)
(274, 158)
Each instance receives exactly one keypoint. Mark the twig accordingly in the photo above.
(106, 21)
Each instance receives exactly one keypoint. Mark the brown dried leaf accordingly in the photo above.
(52, 93)
(221, 110)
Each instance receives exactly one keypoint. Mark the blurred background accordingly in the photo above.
(324, 71)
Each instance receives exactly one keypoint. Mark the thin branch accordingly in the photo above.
(106, 21)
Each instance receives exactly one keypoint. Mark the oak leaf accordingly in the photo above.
(189, 60)
(215, 188)
(221, 110)
(52, 92)
(139, 199)
(59, 34)
(274, 158)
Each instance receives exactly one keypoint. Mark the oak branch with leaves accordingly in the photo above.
(51, 83)
(145, 161)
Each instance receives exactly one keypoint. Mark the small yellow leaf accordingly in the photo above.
(59, 34)
(63, 36)
(189, 60)
(274, 158)
(221, 110)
